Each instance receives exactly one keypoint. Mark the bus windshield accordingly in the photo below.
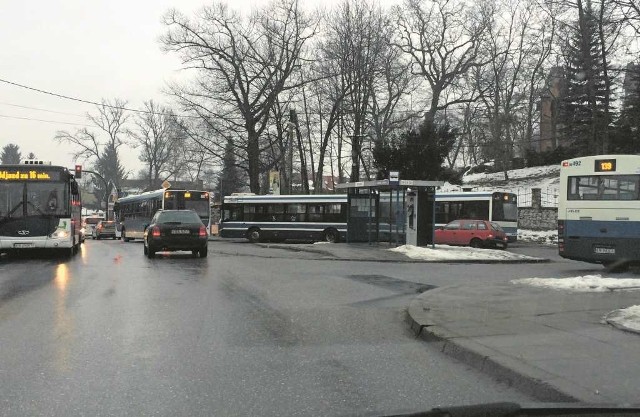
(19, 199)
(505, 211)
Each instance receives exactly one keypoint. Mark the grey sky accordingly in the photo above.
(85, 49)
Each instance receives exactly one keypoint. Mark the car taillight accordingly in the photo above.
(155, 232)
(202, 232)
(490, 236)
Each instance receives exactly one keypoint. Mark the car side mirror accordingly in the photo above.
(145, 226)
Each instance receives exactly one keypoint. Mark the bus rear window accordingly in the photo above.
(603, 187)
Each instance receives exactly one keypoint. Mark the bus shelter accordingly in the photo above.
(378, 209)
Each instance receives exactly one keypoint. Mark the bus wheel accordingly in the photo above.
(475, 243)
(254, 235)
(331, 236)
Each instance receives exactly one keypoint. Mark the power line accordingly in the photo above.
(41, 120)
(88, 101)
(45, 110)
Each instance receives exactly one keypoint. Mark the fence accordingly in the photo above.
(548, 197)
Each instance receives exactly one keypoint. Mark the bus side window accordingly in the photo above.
(275, 212)
(296, 212)
(315, 212)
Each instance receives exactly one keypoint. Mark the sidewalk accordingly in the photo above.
(551, 344)
(364, 252)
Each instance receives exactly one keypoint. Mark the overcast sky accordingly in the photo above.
(90, 49)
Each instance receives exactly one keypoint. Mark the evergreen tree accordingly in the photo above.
(626, 138)
(10, 154)
(229, 180)
(583, 116)
(417, 155)
(111, 169)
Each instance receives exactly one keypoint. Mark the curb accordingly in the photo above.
(531, 382)
(331, 257)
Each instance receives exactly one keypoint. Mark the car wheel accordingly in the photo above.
(331, 236)
(475, 243)
(146, 251)
(254, 235)
(194, 253)
(203, 252)
(124, 236)
(151, 253)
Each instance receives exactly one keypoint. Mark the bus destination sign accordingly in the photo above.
(605, 165)
(28, 175)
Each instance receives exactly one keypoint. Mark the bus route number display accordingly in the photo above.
(605, 165)
(28, 175)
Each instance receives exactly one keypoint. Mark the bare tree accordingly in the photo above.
(156, 135)
(444, 40)
(241, 66)
(101, 148)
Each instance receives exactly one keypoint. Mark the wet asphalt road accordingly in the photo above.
(111, 332)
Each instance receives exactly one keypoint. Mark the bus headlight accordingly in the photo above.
(60, 234)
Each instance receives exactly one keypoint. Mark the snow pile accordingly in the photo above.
(549, 237)
(627, 318)
(586, 283)
(452, 253)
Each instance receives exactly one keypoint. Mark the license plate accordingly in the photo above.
(179, 232)
(605, 251)
(23, 245)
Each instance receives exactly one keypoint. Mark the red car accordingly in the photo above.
(474, 233)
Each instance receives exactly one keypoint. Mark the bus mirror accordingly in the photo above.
(74, 187)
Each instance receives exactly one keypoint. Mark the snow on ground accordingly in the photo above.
(626, 317)
(453, 253)
(520, 180)
(548, 171)
(549, 237)
(586, 283)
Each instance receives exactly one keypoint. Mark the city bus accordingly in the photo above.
(497, 207)
(280, 217)
(324, 217)
(599, 209)
(132, 213)
(40, 208)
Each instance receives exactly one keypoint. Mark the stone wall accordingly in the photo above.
(537, 217)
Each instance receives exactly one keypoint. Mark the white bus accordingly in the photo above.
(498, 207)
(324, 217)
(280, 217)
(133, 212)
(599, 209)
(40, 208)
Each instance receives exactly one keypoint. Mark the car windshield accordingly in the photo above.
(340, 207)
(178, 217)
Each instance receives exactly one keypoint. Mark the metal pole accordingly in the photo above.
(369, 218)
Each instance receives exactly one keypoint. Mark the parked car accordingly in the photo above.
(474, 233)
(173, 230)
(104, 229)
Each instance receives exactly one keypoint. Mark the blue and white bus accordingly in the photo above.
(599, 209)
(324, 217)
(40, 208)
(280, 217)
(133, 212)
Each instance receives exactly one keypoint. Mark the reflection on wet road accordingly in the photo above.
(112, 332)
